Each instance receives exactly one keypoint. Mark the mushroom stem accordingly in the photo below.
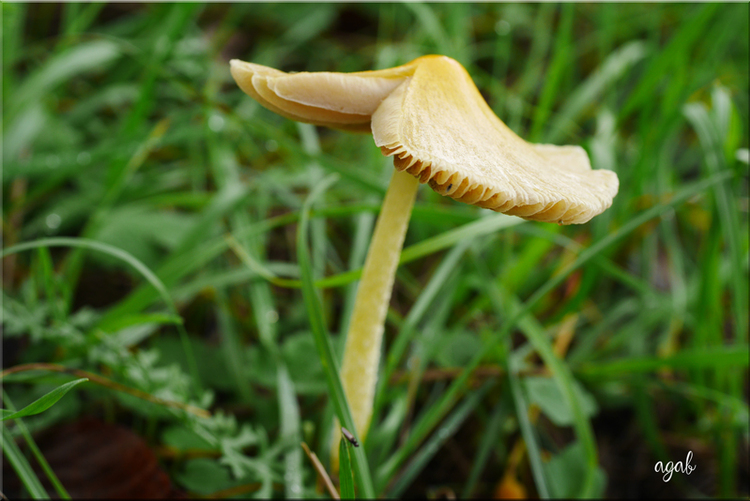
(359, 370)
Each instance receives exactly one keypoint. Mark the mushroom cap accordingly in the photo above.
(337, 100)
(430, 117)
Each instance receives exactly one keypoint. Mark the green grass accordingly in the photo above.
(159, 229)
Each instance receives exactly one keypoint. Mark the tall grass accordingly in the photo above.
(158, 228)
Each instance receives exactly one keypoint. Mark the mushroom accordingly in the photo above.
(430, 117)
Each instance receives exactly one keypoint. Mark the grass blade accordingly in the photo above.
(290, 425)
(346, 474)
(491, 441)
(719, 357)
(37, 453)
(587, 94)
(432, 446)
(85, 57)
(528, 434)
(21, 466)
(709, 133)
(681, 43)
(553, 80)
(43, 403)
(323, 341)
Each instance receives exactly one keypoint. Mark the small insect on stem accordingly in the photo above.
(348, 435)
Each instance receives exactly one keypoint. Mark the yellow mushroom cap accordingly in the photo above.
(337, 100)
(430, 116)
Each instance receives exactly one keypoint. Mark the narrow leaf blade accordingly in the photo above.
(42, 404)
(346, 474)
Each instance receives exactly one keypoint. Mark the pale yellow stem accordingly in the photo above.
(359, 370)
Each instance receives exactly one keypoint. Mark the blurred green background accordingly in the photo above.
(160, 207)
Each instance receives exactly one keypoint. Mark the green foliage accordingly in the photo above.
(565, 471)
(204, 476)
(346, 472)
(43, 403)
(544, 393)
(159, 230)
(22, 467)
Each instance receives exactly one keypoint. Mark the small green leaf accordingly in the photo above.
(42, 404)
(346, 474)
(565, 472)
(205, 476)
(306, 371)
(545, 393)
(184, 439)
(457, 349)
